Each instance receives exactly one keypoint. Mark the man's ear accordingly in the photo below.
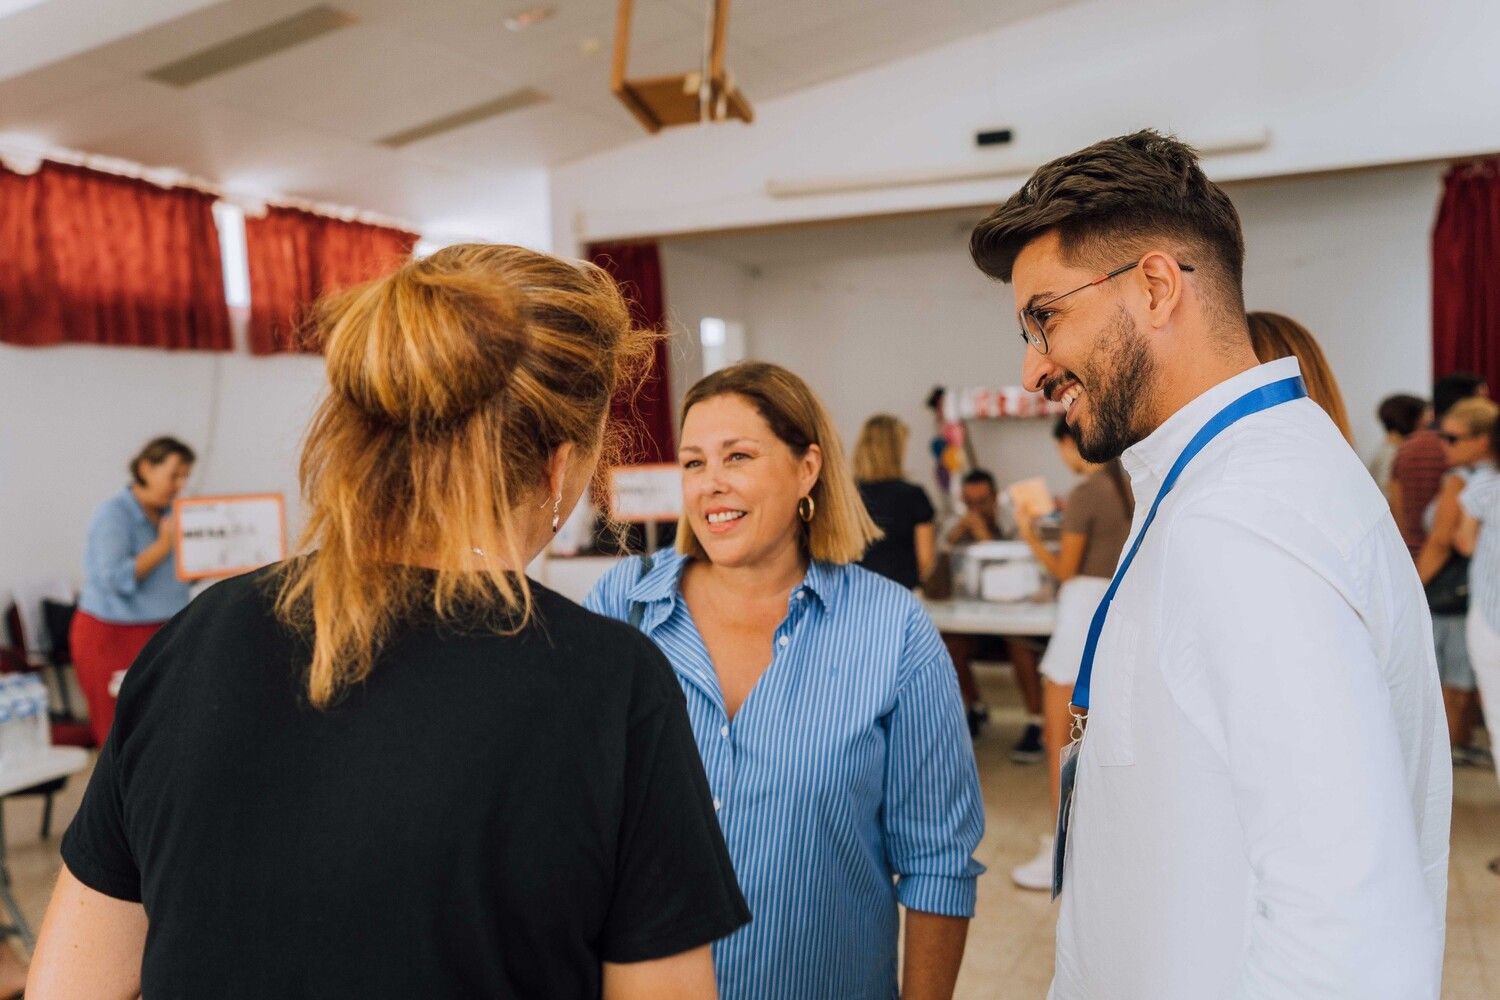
(1164, 282)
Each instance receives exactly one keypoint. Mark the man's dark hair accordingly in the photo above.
(1401, 414)
(979, 476)
(157, 451)
(1450, 390)
(1120, 197)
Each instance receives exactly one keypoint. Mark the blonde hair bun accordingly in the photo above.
(428, 345)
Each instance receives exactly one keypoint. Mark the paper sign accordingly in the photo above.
(1031, 498)
(223, 536)
(646, 493)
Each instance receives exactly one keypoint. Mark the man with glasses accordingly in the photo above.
(1259, 804)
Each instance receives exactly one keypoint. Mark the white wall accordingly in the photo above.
(874, 314)
(697, 285)
(1330, 85)
(71, 418)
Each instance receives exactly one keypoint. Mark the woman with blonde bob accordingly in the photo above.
(823, 702)
(907, 549)
(393, 766)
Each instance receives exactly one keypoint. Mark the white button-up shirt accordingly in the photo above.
(1262, 799)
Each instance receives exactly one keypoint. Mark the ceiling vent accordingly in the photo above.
(314, 22)
(504, 104)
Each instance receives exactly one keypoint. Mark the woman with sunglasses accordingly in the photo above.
(1465, 431)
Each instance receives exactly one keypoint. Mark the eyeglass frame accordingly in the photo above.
(1037, 338)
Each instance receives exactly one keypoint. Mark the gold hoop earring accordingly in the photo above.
(806, 508)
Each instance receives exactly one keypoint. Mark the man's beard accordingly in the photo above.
(1117, 382)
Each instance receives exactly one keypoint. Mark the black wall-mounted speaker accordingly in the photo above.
(993, 137)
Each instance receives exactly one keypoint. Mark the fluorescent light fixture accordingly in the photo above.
(241, 50)
(514, 101)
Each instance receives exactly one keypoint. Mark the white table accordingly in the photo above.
(15, 776)
(968, 616)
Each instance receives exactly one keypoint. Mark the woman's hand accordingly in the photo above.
(166, 531)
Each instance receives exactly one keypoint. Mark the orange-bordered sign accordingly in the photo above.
(645, 492)
(221, 536)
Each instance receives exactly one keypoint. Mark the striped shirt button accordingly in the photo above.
(783, 641)
(724, 731)
(718, 805)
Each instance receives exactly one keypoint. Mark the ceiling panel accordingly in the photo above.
(366, 82)
(555, 132)
(51, 86)
(202, 29)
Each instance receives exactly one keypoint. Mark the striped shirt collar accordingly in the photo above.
(662, 583)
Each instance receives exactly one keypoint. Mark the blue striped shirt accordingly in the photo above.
(845, 784)
(120, 531)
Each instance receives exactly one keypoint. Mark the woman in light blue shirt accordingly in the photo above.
(823, 702)
(130, 584)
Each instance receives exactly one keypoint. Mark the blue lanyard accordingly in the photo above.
(1253, 401)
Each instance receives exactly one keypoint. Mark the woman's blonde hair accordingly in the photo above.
(451, 384)
(1273, 336)
(880, 452)
(841, 528)
(1477, 414)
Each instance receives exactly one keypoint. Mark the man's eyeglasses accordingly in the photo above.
(1034, 318)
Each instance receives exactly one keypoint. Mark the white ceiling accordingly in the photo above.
(305, 121)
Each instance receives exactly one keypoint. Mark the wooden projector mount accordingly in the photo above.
(685, 98)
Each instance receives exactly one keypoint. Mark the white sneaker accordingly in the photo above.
(1036, 873)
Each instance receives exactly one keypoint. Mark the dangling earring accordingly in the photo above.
(806, 508)
(557, 513)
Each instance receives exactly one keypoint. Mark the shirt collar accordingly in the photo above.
(662, 582)
(1149, 461)
(128, 498)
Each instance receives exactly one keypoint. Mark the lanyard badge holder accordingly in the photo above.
(1251, 402)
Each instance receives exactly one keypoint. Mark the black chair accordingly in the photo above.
(57, 618)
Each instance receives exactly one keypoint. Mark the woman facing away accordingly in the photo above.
(393, 766)
(907, 549)
(824, 705)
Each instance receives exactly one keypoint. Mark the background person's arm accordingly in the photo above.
(934, 951)
(90, 947)
(924, 538)
(1466, 538)
(1438, 548)
(686, 976)
(158, 551)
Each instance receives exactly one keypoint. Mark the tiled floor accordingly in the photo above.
(1010, 945)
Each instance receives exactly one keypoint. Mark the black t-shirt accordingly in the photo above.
(485, 816)
(897, 507)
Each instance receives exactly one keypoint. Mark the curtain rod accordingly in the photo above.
(26, 159)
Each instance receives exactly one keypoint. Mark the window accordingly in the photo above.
(723, 343)
(236, 262)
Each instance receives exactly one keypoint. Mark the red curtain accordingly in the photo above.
(298, 257)
(93, 258)
(1466, 273)
(645, 417)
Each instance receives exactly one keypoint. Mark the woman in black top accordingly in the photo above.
(901, 509)
(393, 767)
